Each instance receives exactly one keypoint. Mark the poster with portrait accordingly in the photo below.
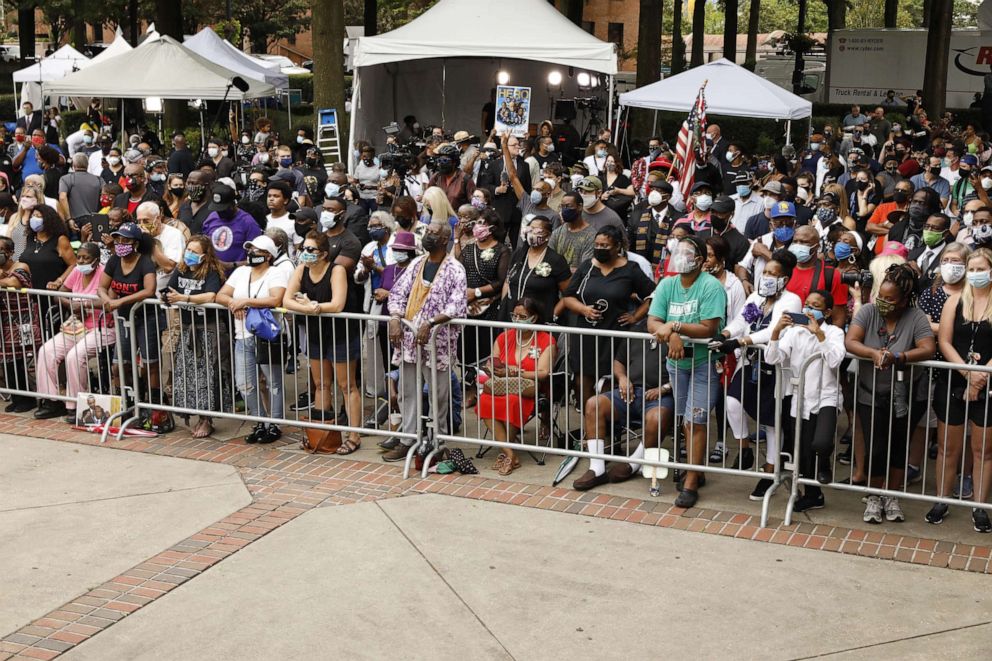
(512, 110)
(93, 409)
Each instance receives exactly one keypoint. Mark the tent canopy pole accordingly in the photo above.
(788, 131)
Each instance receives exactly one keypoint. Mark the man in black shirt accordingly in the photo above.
(720, 214)
(181, 159)
(194, 211)
(345, 247)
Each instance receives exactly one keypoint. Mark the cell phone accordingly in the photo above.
(161, 295)
(799, 318)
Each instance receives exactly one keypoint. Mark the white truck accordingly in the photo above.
(778, 69)
(865, 64)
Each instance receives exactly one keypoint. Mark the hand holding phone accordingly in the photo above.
(798, 318)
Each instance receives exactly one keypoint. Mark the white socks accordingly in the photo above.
(597, 446)
(637, 454)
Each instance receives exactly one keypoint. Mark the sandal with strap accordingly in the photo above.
(501, 459)
(349, 446)
(509, 466)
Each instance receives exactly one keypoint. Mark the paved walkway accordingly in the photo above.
(287, 575)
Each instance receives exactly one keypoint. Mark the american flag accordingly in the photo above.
(691, 142)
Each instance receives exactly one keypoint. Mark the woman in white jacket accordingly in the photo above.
(791, 345)
(752, 389)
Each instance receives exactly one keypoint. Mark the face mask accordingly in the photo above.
(968, 217)
(157, 176)
(980, 279)
(383, 173)
(783, 234)
(570, 214)
(401, 257)
(730, 156)
(245, 140)
(986, 182)
(478, 203)
(588, 200)
(654, 198)
(88, 139)
(536, 240)
(299, 139)
(263, 158)
(37, 141)
(704, 202)
(802, 253)
(113, 160)
(133, 184)
(576, 179)
(900, 196)
(935, 171)
(85, 269)
(885, 308)
(719, 224)
(255, 259)
(768, 202)
(331, 191)
(952, 273)
(106, 200)
(826, 216)
(550, 182)
(536, 197)
(481, 232)
(842, 251)
(743, 190)
(891, 169)
(123, 249)
(430, 242)
(684, 262)
(600, 153)
(603, 255)
(862, 185)
(286, 161)
(308, 258)
(917, 214)
(550, 148)
(192, 259)
(212, 152)
(36, 224)
(816, 314)
(814, 146)
(328, 220)
(377, 233)
(932, 238)
(28, 202)
(611, 167)
(769, 286)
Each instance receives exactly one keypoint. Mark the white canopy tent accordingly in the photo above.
(160, 67)
(118, 46)
(57, 65)
(208, 43)
(455, 49)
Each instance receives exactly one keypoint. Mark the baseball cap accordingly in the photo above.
(723, 204)
(742, 177)
(222, 197)
(262, 243)
(128, 231)
(590, 183)
(773, 187)
(787, 209)
(969, 159)
(660, 184)
(700, 185)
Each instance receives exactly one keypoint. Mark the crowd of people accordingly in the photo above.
(871, 240)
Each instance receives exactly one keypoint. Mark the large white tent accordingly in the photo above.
(442, 65)
(118, 46)
(57, 65)
(159, 67)
(730, 90)
(209, 44)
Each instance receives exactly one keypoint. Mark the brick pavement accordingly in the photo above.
(284, 484)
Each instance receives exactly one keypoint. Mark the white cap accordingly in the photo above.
(263, 243)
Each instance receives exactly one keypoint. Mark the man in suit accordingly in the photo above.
(925, 258)
(30, 118)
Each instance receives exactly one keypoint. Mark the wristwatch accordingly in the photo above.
(478, 292)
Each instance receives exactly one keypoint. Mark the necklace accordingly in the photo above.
(526, 341)
(522, 283)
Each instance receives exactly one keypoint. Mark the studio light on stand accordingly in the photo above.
(554, 87)
(583, 80)
(153, 105)
(502, 77)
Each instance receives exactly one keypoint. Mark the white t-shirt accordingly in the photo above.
(246, 285)
(286, 224)
(173, 245)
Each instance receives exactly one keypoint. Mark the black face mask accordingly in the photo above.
(405, 223)
(227, 214)
(302, 229)
(863, 185)
(178, 191)
(570, 214)
(917, 215)
(603, 255)
(445, 166)
(899, 196)
(935, 171)
(719, 224)
(256, 260)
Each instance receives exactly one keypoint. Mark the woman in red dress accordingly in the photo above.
(520, 360)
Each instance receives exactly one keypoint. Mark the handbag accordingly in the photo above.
(73, 327)
(270, 346)
(320, 441)
(509, 385)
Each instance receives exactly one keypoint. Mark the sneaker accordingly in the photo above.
(271, 434)
(758, 436)
(718, 453)
(964, 491)
(980, 519)
(808, 502)
(257, 433)
(302, 403)
(937, 514)
(893, 512)
(913, 475)
(744, 460)
(873, 510)
(686, 498)
(844, 456)
(396, 454)
(763, 485)
(389, 443)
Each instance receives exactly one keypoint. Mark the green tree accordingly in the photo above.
(327, 23)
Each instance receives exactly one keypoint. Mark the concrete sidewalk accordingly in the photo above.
(74, 516)
(436, 577)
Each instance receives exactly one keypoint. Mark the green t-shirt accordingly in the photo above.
(705, 299)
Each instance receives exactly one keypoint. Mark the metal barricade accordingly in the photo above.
(890, 422)
(45, 334)
(543, 417)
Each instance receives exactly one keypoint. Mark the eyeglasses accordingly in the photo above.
(310, 249)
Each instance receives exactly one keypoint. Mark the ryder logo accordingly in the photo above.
(984, 57)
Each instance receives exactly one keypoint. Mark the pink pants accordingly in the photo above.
(76, 352)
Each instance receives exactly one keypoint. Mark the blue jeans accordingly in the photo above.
(246, 379)
(696, 391)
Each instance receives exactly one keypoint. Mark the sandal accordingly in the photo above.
(509, 466)
(498, 464)
(349, 446)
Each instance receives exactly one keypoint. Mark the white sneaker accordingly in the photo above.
(892, 510)
(873, 511)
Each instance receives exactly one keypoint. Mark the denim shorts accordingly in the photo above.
(148, 327)
(636, 408)
(696, 391)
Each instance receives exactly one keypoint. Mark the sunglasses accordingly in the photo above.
(310, 249)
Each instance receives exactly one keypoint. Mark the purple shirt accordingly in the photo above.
(446, 296)
(229, 237)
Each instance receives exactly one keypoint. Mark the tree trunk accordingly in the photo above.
(891, 13)
(78, 26)
(25, 33)
(169, 21)
(678, 43)
(797, 71)
(132, 21)
(648, 58)
(836, 14)
(371, 18)
(730, 30)
(935, 64)
(751, 50)
(573, 10)
(327, 24)
(698, 32)
(927, 4)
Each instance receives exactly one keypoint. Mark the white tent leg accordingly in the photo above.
(124, 133)
(654, 124)
(356, 100)
(444, 87)
(788, 131)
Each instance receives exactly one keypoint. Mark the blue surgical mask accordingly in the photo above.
(37, 224)
(979, 279)
(536, 197)
(383, 173)
(308, 258)
(842, 250)
(286, 161)
(817, 314)
(85, 269)
(743, 190)
(192, 259)
(601, 153)
(784, 234)
(328, 220)
(332, 190)
(802, 252)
